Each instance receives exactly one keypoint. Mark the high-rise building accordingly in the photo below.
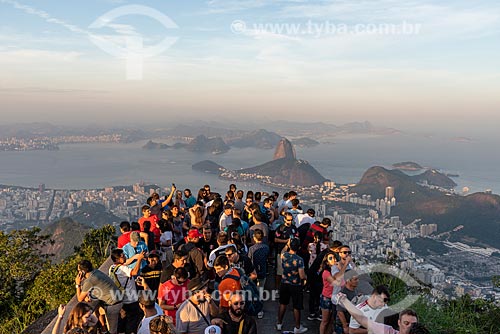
(389, 193)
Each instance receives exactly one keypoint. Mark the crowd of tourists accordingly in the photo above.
(206, 263)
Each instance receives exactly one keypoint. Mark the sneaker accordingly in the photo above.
(319, 317)
(311, 316)
(278, 327)
(260, 315)
(300, 330)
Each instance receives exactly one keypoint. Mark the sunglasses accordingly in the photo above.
(331, 258)
(239, 303)
(229, 254)
(385, 300)
(346, 252)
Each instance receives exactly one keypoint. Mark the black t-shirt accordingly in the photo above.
(152, 276)
(244, 263)
(285, 232)
(207, 246)
(232, 327)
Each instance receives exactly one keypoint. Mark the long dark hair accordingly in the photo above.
(318, 235)
(324, 263)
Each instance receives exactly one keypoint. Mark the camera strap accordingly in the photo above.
(199, 311)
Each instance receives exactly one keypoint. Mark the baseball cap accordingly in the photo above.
(194, 233)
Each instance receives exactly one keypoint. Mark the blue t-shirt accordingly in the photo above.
(130, 251)
(291, 264)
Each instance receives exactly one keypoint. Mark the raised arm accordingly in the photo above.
(169, 198)
(60, 314)
(353, 310)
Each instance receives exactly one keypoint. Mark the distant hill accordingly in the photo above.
(286, 169)
(479, 213)
(94, 215)
(68, 232)
(258, 139)
(305, 142)
(376, 179)
(208, 166)
(407, 165)
(151, 145)
(283, 169)
(203, 144)
(435, 178)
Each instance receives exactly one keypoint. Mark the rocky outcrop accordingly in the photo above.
(284, 150)
(203, 144)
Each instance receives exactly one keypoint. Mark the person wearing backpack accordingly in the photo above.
(123, 277)
(233, 280)
(95, 286)
(230, 281)
(236, 320)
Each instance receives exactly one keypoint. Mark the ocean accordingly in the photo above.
(86, 166)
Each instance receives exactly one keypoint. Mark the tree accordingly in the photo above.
(30, 285)
(20, 262)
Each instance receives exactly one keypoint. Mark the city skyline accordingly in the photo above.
(424, 63)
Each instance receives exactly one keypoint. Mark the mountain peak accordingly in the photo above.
(285, 150)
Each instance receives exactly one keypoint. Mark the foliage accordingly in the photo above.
(20, 262)
(458, 316)
(496, 281)
(48, 285)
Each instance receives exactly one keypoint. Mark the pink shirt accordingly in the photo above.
(327, 286)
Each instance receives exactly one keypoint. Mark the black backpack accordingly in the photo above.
(253, 304)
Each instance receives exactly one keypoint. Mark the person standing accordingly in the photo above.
(94, 284)
(281, 237)
(194, 314)
(173, 292)
(123, 277)
(291, 284)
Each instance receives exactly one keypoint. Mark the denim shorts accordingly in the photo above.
(325, 303)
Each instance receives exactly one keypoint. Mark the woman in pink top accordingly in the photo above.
(325, 304)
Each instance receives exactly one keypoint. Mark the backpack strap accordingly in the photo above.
(115, 276)
(199, 311)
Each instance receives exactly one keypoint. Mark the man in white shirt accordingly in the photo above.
(194, 314)
(370, 308)
(148, 306)
(407, 322)
(123, 277)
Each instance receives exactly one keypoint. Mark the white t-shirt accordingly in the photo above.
(189, 320)
(123, 274)
(304, 218)
(369, 312)
(166, 236)
(216, 252)
(144, 325)
(225, 221)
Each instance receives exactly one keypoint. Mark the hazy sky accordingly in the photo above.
(391, 62)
